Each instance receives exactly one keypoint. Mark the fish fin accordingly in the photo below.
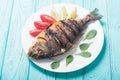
(96, 15)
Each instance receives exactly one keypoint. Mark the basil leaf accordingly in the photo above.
(55, 64)
(85, 54)
(69, 59)
(84, 46)
(91, 34)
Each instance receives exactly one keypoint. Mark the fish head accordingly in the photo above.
(36, 50)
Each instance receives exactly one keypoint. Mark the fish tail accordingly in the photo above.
(95, 14)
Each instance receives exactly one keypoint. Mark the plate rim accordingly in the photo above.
(69, 70)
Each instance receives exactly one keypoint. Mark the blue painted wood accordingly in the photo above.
(97, 69)
(114, 31)
(5, 19)
(14, 65)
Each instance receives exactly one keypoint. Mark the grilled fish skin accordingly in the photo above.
(60, 36)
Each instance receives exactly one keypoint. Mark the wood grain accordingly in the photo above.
(15, 63)
(5, 20)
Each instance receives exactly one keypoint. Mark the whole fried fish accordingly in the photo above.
(60, 36)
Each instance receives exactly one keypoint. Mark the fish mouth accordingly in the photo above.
(35, 51)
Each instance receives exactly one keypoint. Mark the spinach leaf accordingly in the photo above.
(84, 46)
(91, 34)
(55, 65)
(69, 59)
(85, 54)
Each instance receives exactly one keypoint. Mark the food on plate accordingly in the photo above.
(63, 13)
(47, 18)
(34, 32)
(73, 14)
(41, 25)
(60, 36)
(54, 14)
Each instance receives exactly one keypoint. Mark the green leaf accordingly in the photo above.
(69, 59)
(91, 34)
(84, 46)
(63, 13)
(85, 54)
(55, 65)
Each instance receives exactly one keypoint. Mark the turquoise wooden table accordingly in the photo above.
(14, 65)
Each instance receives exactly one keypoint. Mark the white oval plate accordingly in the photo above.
(78, 62)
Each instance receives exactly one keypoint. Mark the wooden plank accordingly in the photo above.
(36, 72)
(15, 62)
(100, 69)
(115, 52)
(5, 19)
(114, 26)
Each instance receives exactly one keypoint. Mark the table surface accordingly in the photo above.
(14, 65)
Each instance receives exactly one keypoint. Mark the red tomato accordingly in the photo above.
(34, 32)
(47, 18)
(41, 25)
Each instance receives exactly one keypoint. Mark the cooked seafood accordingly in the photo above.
(60, 36)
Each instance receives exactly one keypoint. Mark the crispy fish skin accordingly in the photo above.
(60, 36)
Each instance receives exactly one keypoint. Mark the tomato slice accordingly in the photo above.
(47, 18)
(41, 25)
(34, 32)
